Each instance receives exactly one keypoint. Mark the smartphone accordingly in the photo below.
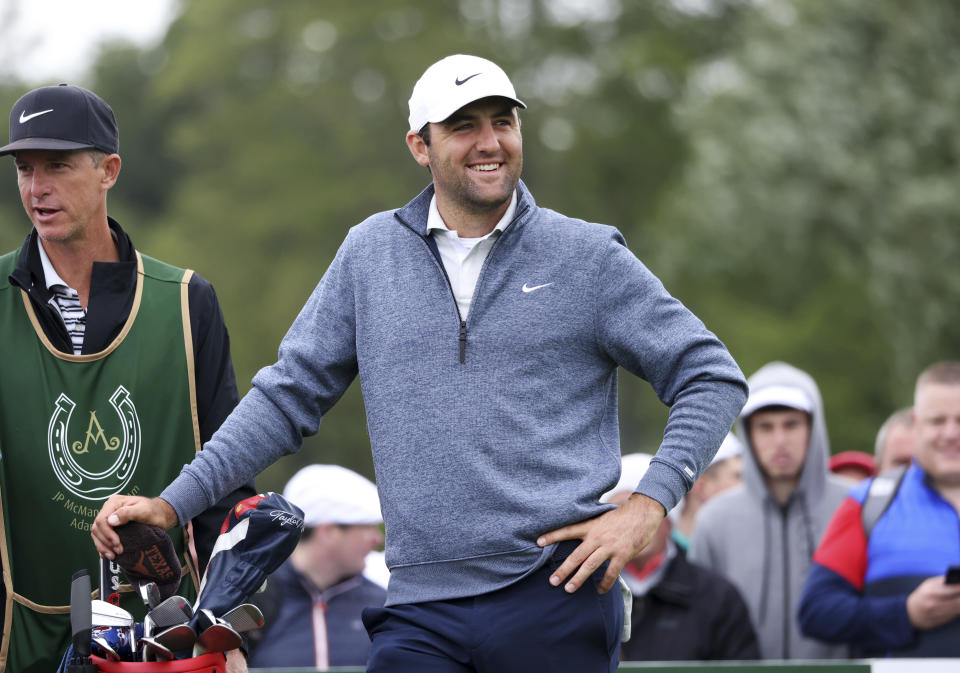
(953, 575)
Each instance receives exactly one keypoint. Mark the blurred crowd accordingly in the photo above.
(786, 550)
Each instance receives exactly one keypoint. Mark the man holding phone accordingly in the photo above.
(890, 586)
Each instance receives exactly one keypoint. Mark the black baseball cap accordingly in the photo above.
(64, 117)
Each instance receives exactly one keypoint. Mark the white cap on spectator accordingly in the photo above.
(730, 448)
(632, 468)
(333, 494)
(455, 81)
(777, 396)
(375, 568)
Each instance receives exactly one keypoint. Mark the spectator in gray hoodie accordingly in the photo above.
(761, 535)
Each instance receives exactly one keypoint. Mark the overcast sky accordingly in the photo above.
(49, 41)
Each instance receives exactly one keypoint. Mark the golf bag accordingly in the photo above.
(256, 537)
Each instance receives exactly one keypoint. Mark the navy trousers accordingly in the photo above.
(527, 627)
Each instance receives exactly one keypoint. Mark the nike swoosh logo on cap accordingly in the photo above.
(526, 288)
(459, 81)
(27, 117)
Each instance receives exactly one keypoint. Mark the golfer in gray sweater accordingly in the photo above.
(486, 332)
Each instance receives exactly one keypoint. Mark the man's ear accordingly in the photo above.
(418, 148)
(111, 170)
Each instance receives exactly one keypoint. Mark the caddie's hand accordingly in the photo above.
(933, 603)
(119, 509)
(617, 536)
(236, 662)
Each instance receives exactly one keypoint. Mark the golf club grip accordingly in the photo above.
(80, 614)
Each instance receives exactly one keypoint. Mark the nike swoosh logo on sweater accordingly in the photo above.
(527, 288)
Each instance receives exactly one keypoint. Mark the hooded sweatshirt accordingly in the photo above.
(765, 548)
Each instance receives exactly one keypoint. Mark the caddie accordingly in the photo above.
(115, 368)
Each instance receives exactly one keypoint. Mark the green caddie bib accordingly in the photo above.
(74, 430)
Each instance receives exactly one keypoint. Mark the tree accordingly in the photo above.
(820, 200)
(11, 44)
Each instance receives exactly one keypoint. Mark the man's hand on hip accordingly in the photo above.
(617, 536)
(120, 509)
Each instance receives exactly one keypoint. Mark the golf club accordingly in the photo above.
(176, 638)
(243, 618)
(147, 634)
(216, 635)
(107, 614)
(106, 648)
(170, 612)
(154, 650)
(150, 594)
(80, 623)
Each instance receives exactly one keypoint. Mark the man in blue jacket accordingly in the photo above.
(486, 332)
(879, 578)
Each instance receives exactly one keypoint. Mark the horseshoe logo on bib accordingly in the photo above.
(101, 463)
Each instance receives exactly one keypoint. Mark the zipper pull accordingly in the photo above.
(463, 341)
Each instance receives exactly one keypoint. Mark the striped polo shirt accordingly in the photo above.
(66, 300)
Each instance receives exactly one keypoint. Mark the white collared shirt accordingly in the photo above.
(65, 300)
(463, 257)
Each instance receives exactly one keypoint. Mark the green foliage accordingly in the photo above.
(819, 212)
(15, 225)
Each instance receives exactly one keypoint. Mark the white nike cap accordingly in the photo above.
(455, 81)
(731, 447)
(333, 494)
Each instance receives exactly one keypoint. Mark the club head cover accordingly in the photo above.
(256, 537)
(148, 556)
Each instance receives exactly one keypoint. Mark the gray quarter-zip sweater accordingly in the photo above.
(487, 432)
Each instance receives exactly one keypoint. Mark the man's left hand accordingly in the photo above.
(617, 536)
